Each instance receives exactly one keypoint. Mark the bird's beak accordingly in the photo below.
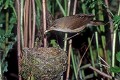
(46, 31)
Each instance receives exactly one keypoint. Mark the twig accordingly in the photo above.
(26, 22)
(44, 21)
(65, 41)
(21, 23)
(110, 20)
(68, 68)
(85, 53)
(30, 28)
(18, 37)
(104, 61)
(101, 73)
(34, 19)
(69, 3)
(103, 65)
(74, 9)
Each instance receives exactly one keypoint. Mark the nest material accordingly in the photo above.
(43, 63)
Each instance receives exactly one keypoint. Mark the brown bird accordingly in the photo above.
(74, 23)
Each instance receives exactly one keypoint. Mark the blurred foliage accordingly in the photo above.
(116, 69)
(7, 37)
(116, 20)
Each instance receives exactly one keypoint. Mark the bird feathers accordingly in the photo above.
(74, 23)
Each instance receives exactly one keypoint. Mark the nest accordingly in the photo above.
(43, 63)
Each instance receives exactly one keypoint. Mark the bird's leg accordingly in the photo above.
(73, 36)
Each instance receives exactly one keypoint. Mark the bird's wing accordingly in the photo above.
(80, 21)
(73, 22)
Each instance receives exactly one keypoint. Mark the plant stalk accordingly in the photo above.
(34, 20)
(44, 21)
(18, 38)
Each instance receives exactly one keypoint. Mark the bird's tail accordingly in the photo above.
(97, 23)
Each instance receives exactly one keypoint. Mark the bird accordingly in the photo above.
(73, 24)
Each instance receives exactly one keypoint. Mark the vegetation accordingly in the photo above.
(93, 54)
(8, 19)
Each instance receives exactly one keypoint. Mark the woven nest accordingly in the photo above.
(43, 63)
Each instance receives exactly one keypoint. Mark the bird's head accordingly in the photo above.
(50, 29)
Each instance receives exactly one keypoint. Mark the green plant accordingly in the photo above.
(7, 37)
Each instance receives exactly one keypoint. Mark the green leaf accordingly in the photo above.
(2, 45)
(109, 54)
(61, 8)
(115, 69)
(13, 19)
(53, 43)
(1, 2)
(118, 56)
(2, 32)
(6, 4)
(7, 49)
(116, 18)
(4, 67)
(13, 8)
(2, 18)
